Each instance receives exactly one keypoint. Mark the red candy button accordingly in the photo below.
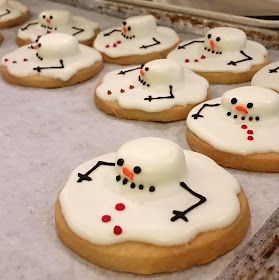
(250, 137)
(107, 46)
(244, 126)
(106, 218)
(122, 90)
(203, 57)
(119, 206)
(117, 230)
(186, 60)
(249, 131)
(118, 42)
(131, 87)
(196, 60)
(109, 92)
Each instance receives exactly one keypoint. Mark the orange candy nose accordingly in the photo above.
(241, 108)
(128, 173)
(141, 72)
(48, 21)
(211, 42)
(125, 30)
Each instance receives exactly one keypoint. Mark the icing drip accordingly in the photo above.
(222, 49)
(182, 206)
(56, 55)
(58, 21)
(222, 121)
(158, 85)
(137, 35)
(267, 77)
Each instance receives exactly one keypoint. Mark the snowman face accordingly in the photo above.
(250, 103)
(52, 19)
(160, 72)
(56, 46)
(138, 27)
(145, 163)
(224, 39)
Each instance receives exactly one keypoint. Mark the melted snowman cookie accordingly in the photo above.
(138, 40)
(61, 21)
(160, 90)
(150, 195)
(267, 77)
(239, 130)
(12, 13)
(55, 60)
(224, 55)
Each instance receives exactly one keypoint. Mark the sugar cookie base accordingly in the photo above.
(40, 81)
(22, 42)
(176, 113)
(138, 59)
(143, 258)
(261, 162)
(15, 21)
(232, 77)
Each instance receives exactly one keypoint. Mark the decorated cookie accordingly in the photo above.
(223, 56)
(238, 130)
(61, 21)
(12, 13)
(138, 40)
(160, 90)
(146, 209)
(55, 60)
(267, 77)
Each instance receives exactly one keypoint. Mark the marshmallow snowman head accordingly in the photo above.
(56, 46)
(250, 103)
(138, 27)
(54, 18)
(224, 39)
(3, 3)
(145, 163)
(161, 72)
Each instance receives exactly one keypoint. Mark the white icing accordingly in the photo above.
(50, 50)
(16, 9)
(136, 32)
(224, 132)
(146, 217)
(267, 77)
(61, 21)
(187, 87)
(221, 46)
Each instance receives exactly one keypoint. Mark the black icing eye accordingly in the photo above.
(129, 28)
(124, 22)
(209, 36)
(120, 161)
(39, 45)
(218, 39)
(233, 100)
(249, 105)
(142, 66)
(137, 169)
(146, 68)
(44, 16)
(51, 17)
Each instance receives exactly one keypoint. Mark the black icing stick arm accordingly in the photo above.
(247, 57)
(6, 13)
(170, 96)
(129, 70)
(85, 176)
(198, 115)
(181, 214)
(156, 42)
(190, 43)
(78, 30)
(39, 69)
(112, 31)
(28, 25)
(274, 70)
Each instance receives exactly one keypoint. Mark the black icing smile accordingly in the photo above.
(125, 179)
(247, 116)
(212, 51)
(142, 80)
